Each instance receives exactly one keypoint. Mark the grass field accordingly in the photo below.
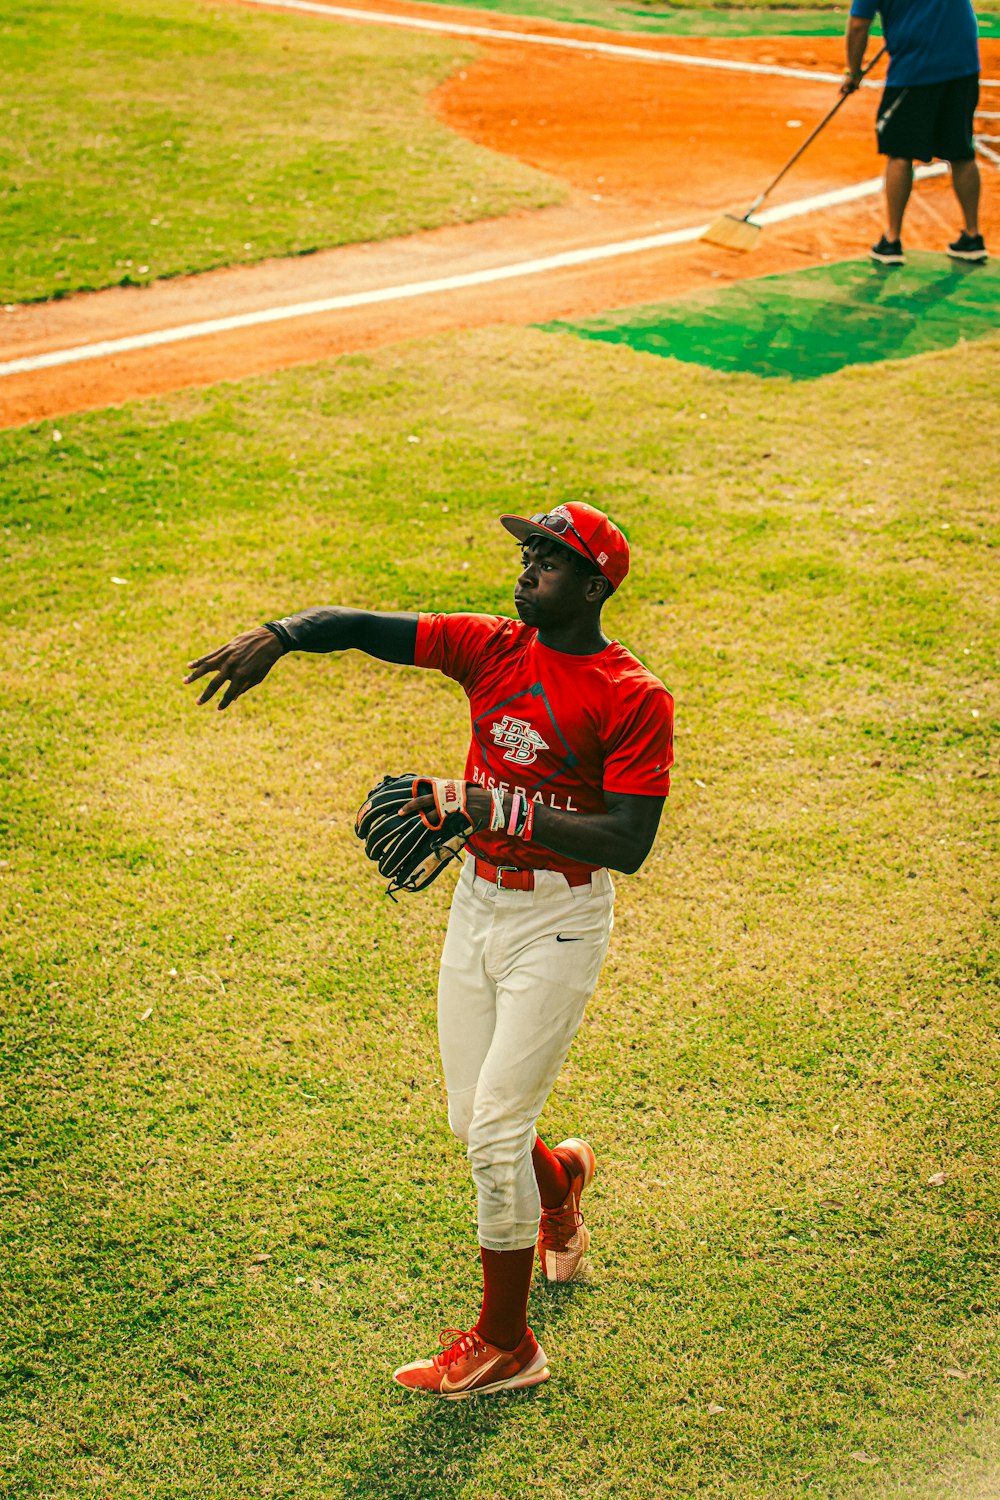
(145, 138)
(230, 1200)
(228, 1197)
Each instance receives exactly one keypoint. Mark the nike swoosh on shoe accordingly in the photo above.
(463, 1385)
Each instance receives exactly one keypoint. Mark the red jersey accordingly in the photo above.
(560, 729)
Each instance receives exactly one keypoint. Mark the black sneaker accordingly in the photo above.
(968, 247)
(888, 252)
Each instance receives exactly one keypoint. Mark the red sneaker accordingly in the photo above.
(563, 1237)
(471, 1367)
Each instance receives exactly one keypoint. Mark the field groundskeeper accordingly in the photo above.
(927, 108)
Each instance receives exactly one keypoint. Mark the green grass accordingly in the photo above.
(810, 323)
(145, 138)
(230, 1201)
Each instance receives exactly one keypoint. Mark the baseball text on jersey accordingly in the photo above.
(560, 729)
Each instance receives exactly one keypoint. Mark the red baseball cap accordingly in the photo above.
(581, 528)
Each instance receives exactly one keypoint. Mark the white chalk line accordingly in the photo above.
(573, 44)
(108, 348)
(545, 39)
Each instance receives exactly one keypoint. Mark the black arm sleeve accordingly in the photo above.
(390, 637)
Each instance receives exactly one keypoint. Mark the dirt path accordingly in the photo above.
(646, 148)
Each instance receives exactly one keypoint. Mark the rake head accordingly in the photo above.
(733, 233)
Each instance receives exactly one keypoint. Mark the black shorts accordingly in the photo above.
(928, 120)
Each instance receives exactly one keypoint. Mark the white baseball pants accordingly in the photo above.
(517, 970)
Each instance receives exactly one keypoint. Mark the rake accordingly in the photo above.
(741, 234)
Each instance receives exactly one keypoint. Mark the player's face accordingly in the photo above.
(549, 591)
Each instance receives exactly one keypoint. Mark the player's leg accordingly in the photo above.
(468, 1363)
(562, 1174)
(466, 1012)
(540, 996)
(563, 1237)
(551, 1175)
(556, 948)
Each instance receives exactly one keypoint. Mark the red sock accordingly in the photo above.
(506, 1283)
(550, 1174)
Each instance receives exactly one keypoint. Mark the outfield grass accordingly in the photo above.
(230, 1200)
(145, 138)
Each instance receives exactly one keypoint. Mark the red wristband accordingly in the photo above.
(529, 822)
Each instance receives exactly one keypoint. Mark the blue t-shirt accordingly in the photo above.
(928, 40)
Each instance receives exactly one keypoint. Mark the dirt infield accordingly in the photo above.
(646, 148)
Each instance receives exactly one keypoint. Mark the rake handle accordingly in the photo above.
(810, 138)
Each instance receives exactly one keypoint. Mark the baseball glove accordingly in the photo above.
(413, 850)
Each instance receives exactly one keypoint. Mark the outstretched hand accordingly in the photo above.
(243, 663)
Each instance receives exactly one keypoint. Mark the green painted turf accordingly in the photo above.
(229, 1200)
(759, 18)
(810, 323)
(144, 138)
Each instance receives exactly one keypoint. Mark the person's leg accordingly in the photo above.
(955, 143)
(542, 992)
(904, 129)
(466, 1024)
(540, 996)
(466, 1011)
(898, 184)
(466, 1021)
(550, 1175)
(563, 1237)
(503, 1317)
(966, 183)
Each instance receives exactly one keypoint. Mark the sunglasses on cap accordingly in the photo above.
(559, 525)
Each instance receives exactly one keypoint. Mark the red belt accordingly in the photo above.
(506, 878)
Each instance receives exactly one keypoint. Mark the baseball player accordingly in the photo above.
(567, 771)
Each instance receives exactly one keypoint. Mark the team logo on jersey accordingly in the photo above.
(519, 742)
